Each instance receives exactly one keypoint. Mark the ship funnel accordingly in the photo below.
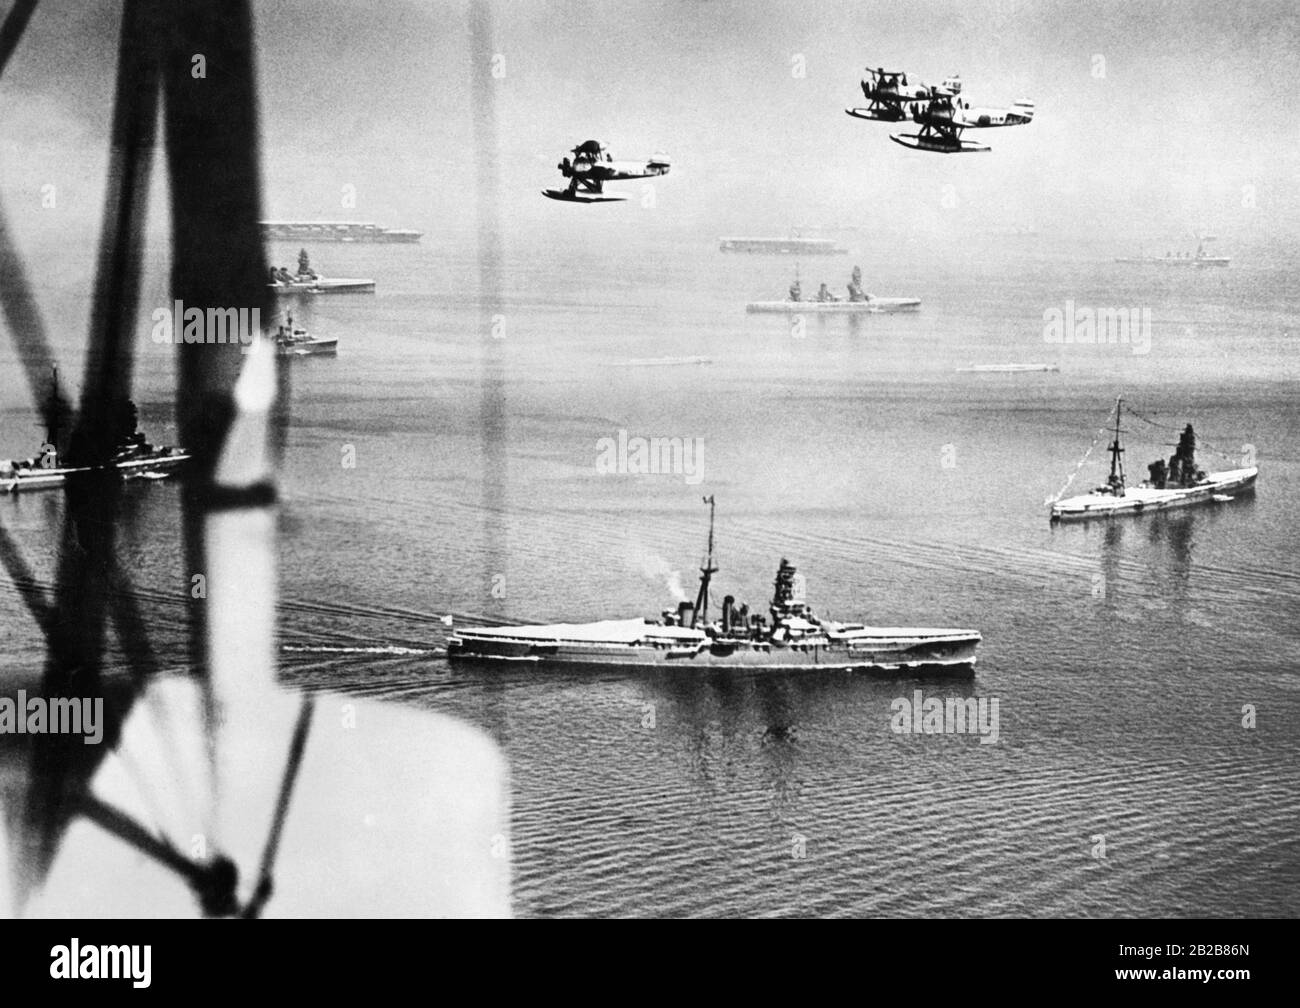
(727, 602)
(685, 614)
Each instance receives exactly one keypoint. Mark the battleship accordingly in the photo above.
(336, 231)
(794, 639)
(858, 301)
(1178, 483)
(308, 281)
(133, 458)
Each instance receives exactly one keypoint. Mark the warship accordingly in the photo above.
(291, 340)
(1200, 258)
(308, 281)
(1006, 368)
(133, 457)
(1178, 483)
(336, 231)
(857, 301)
(794, 639)
(782, 246)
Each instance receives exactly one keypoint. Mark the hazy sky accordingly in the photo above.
(1153, 117)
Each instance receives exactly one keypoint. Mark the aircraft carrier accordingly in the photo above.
(336, 231)
(782, 246)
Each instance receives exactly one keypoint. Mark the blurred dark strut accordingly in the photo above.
(217, 254)
(211, 148)
(17, 302)
(493, 327)
(15, 23)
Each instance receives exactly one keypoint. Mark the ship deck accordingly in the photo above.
(1139, 499)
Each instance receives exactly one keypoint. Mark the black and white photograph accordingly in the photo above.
(651, 459)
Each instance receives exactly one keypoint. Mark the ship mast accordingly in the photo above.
(1116, 480)
(706, 572)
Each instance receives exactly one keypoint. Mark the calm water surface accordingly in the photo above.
(907, 493)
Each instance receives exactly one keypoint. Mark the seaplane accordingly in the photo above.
(940, 110)
(941, 128)
(945, 116)
(889, 96)
(592, 166)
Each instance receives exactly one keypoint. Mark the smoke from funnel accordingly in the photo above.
(655, 568)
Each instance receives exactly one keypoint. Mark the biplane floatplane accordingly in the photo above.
(939, 110)
(592, 166)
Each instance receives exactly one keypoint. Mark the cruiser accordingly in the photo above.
(1201, 258)
(1175, 484)
(133, 458)
(685, 637)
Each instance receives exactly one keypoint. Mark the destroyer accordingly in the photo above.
(1178, 483)
(133, 458)
(794, 639)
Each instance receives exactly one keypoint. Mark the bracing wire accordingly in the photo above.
(1201, 443)
(1079, 465)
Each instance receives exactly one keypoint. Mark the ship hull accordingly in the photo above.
(1175, 261)
(336, 231)
(323, 286)
(950, 655)
(782, 246)
(324, 347)
(27, 480)
(1007, 368)
(1143, 500)
(875, 305)
(310, 348)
